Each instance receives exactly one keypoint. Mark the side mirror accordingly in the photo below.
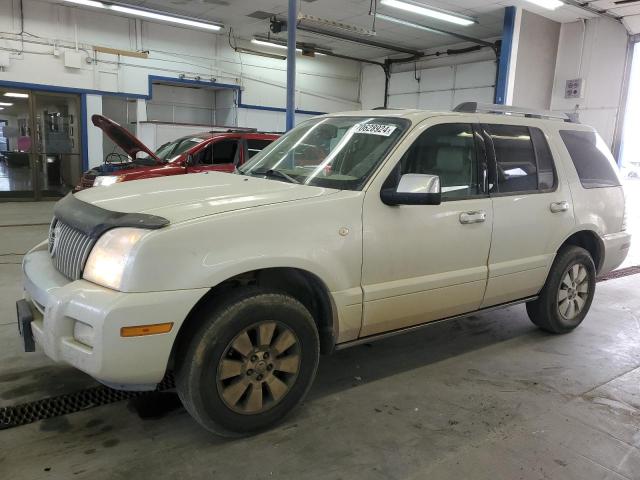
(414, 189)
(189, 162)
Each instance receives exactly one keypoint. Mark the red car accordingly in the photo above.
(220, 151)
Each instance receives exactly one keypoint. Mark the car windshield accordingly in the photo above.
(332, 152)
(171, 150)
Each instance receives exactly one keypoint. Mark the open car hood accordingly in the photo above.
(124, 139)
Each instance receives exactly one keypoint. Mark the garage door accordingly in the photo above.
(443, 88)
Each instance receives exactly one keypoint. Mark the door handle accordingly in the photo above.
(558, 207)
(473, 217)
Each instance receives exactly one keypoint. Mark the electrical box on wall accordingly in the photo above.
(72, 59)
(574, 88)
(4, 59)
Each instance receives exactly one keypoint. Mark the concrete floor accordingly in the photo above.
(485, 397)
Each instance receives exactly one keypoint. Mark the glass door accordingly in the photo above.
(17, 175)
(57, 143)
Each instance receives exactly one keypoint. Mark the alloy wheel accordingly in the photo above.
(573, 291)
(259, 367)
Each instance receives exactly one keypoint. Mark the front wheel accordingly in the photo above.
(252, 360)
(566, 297)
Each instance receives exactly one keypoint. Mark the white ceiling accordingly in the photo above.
(629, 10)
(489, 13)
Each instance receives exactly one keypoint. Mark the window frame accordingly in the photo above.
(482, 178)
(492, 159)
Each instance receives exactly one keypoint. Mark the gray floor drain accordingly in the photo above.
(26, 413)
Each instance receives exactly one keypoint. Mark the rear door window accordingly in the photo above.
(515, 158)
(546, 170)
(524, 161)
(254, 146)
(593, 161)
(220, 153)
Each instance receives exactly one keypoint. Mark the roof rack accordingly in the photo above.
(475, 107)
(223, 129)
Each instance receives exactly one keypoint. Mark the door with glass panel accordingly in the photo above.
(40, 150)
(57, 143)
(16, 142)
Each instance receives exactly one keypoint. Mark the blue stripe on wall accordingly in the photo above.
(505, 55)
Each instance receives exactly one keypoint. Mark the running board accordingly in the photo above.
(393, 333)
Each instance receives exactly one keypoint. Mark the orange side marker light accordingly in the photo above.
(142, 330)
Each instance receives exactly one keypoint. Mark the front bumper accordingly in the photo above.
(616, 249)
(59, 305)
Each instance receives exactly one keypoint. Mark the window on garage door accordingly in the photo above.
(523, 159)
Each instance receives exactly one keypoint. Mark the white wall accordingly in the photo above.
(324, 84)
(595, 51)
(535, 61)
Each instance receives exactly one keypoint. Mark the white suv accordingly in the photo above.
(350, 227)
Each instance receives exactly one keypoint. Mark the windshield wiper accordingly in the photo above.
(275, 174)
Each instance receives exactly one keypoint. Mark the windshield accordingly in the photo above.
(169, 151)
(332, 152)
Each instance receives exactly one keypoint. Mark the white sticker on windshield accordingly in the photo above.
(375, 129)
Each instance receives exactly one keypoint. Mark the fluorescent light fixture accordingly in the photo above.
(429, 11)
(260, 54)
(165, 18)
(138, 12)
(16, 95)
(267, 43)
(1, 108)
(5, 104)
(87, 3)
(548, 4)
(407, 23)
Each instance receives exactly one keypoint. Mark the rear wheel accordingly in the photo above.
(250, 363)
(566, 297)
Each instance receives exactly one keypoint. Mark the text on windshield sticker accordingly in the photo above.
(375, 129)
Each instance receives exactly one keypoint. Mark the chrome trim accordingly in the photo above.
(393, 333)
(71, 250)
(559, 207)
(467, 218)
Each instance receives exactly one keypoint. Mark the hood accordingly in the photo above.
(121, 137)
(185, 197)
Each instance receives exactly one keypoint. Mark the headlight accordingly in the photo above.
(110, 256)
(104, 180)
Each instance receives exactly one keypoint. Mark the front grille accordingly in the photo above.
(69, 249)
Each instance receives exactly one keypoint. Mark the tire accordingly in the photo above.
(549, 311)
(251, 360)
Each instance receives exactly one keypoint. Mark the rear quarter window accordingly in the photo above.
(593, 161)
